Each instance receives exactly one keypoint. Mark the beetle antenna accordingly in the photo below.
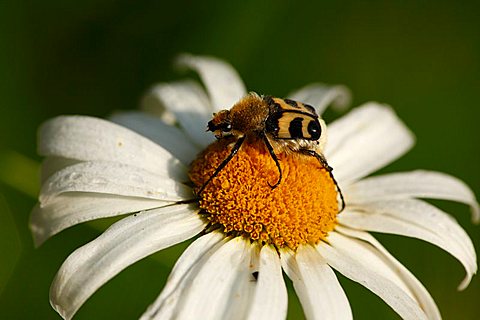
(275, 158)
(222, 165)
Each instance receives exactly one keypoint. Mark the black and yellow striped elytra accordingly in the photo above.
(290, 119)
(284, 125)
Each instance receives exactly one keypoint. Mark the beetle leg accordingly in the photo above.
(275, 158)
(222, 165)
(324, 163)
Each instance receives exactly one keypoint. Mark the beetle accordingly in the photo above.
(284, 125)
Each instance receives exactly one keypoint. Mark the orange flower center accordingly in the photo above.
(239, 201)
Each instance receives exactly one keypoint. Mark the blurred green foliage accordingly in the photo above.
(92, 57)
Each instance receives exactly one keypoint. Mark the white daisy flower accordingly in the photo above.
(246, 232)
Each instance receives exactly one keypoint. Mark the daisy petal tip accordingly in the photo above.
(38, 233)
(322, 95)
(65, 313)
(342, 97)
(222, 82)
(151, 100)
(410, 137)
(46, 130)
(186, 61)
(465, 282)
(61, 311)
(378, 109)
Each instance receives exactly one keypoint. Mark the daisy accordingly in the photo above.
(245, 233)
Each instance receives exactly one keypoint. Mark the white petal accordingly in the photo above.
(221, 285)
(418, 184)
(189, 104)
(267, 301)
(316, 285)
(224, 85)
(364, 264)
(365, 140)
(113, 178)
(169, 137)
(421, 294)
(71, 208)
(243, 289)
(186, 268)
(270, 299)
(320, 96)
(88, 139)
(51, 165)
(121, 245)
(417, 219)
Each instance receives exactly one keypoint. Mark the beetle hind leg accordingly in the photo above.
(324, 163)
(275, 158)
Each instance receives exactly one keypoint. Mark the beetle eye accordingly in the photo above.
(227, 128)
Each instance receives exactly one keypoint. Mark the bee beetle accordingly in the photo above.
(284, 125)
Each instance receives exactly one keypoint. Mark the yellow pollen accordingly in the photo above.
(239, 201)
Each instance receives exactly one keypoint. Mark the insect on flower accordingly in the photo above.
(284, 125)
(266, 201)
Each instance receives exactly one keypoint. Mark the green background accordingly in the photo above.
(92, 57)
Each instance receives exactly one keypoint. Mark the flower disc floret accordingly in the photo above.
(240, 201)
